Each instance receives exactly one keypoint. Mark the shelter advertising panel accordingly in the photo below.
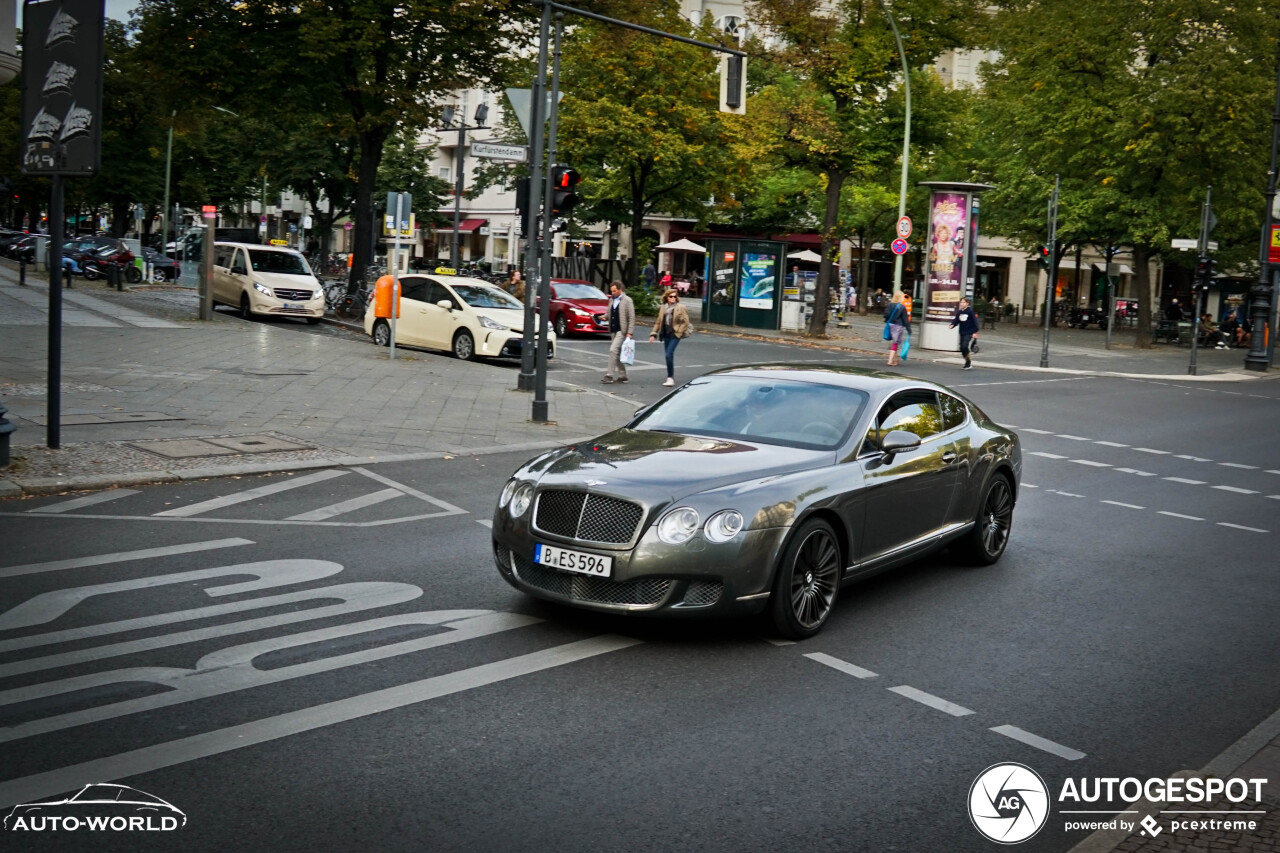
(758, 281)
(949, 229)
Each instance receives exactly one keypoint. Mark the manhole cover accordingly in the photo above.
(183, 448)
(257, 444)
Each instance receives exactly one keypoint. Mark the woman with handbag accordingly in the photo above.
(671, 327)
(897, 325)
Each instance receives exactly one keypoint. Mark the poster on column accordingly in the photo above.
(948, 232)
(757, 281)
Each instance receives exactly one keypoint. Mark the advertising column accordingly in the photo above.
(950, 244)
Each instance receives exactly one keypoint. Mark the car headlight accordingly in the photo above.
(520, 500)
(507, 491)
(580, 312)
(262, 288)
(678, 525)
(492, 324)
(724, 525)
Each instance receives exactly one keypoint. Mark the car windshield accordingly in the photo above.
(279, 262)
(578, 291)
(768, 410)
(480, 296)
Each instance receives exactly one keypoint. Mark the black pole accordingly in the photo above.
(1262, 344)
(1053, 268)
(526, 380)
(455, 253)
(53, 409)
(539, 413)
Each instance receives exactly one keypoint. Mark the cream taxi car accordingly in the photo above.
(466, 316)
(270, 280)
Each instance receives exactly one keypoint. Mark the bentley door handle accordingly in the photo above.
(949, 457)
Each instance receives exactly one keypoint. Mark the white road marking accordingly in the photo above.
(844, 666)
(1046, 455)
(1193, 458)
(1274, 497)
(1111, 444)
(1238, 465)
(87, 500)
(1136, 471)
(1236, 490)
(343, 507)
(1073, 437)
(1066, 494)
(485, 522)
(1184, 480)
(1272, 471)
(1242, 527)
(249, 494)
(776, 642)
(1149, 450)
(1039, 743)
(1029, 486)
(932, 701)
(1125, 505)
(120, 557)
(448, 507)
(1037, 431)
(1091, 463)
(150, 758)
(1180, 515)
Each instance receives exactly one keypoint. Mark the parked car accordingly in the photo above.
(162, 267)
(269, 280)
(465, 316)
(578, 306)
(759, 488)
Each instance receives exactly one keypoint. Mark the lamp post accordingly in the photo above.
(906, 140)
(446, 117)
(168, 165)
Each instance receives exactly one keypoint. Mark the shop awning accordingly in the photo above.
(465, 227)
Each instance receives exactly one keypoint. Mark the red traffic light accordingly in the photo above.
(563, 197)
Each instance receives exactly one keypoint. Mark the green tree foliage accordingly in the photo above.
(640, 122)
(826, 109)
(1138, 107)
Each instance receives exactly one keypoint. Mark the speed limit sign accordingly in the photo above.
(904, 227)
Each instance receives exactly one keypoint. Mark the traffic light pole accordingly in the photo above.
(1262, 310)
(1203, 273)
(1053, 265)
(538, 102)
(540, 407)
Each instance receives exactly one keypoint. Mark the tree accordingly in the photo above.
(828, 110)
(1138, 107)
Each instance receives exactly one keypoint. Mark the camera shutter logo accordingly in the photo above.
(1008, 803)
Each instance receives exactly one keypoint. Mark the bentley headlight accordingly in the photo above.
(492, 324)
(678, 525)
(724, 525)
(520, 500)
(507, 491)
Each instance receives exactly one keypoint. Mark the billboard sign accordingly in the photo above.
(948, 251)
(62, 87)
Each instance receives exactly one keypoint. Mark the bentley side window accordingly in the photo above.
(914, 411)
(953, 411)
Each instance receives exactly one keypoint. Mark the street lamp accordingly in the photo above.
(164, 211)
(906, 140)
(446, 118)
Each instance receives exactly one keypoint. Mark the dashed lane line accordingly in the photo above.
(1045, 455)
(1091, 463)
(1242, 527)
(1238, 465)
(1039, 743)
(1161, 512)
(1125, 505)
(1179, 515)
(1184, 480)
(1136, 471)
(844, 666)
(1073, 437)
(935, 702)
(1150, 450)
(1111, 444)
(1234, 489)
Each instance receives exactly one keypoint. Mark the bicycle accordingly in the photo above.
(352, 306)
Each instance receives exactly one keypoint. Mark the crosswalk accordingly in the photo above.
(334, 497)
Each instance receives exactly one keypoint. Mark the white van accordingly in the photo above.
(266, 280)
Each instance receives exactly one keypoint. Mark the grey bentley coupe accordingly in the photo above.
(760, 488)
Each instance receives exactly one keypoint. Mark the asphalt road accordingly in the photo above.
(402, 696)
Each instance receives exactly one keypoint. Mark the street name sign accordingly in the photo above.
(1180, 243)
(498, 151)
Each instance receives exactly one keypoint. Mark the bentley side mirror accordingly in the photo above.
(897, 441)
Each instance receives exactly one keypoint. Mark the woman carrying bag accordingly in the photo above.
(897, 325)
(671, 327)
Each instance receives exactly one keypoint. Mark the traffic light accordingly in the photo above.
(733, 76)
(522, 206)
(563, 196)
(1206, 269)
(1043, 256)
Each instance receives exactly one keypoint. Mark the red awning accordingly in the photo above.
(466, 226)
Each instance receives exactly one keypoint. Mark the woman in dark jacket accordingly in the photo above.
(967, 320)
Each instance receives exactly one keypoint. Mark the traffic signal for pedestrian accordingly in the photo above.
(1042, 256)
(1206, 269)
(522, 206)
(564, 198)
(733, 79)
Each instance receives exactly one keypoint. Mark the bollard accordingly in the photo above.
(22, 272)
(110, 270)
(6, 429)
(69, 276)
(120, 277)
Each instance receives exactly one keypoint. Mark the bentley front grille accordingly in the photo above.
(587, 517)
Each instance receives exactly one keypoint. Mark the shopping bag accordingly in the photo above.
(973, 347)
(888, 334)
(628, 354)
(905, 348)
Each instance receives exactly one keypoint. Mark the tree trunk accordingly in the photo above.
(1142, 284)
(371, 143)
(835, 183)
(864, 275)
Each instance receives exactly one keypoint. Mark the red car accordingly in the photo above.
(578, 306)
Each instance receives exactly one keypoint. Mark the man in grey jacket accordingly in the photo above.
(622, 327)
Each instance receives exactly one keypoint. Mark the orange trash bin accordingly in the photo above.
(382, 290)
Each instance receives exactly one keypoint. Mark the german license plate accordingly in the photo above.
(289, 306)
(573, 561)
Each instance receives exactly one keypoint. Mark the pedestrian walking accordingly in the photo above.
(896, 326)
(671, 327)
(622, 327)
(649, 274)
(967, 320)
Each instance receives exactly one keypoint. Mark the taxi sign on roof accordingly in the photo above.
(279, 242)
(446, 271)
